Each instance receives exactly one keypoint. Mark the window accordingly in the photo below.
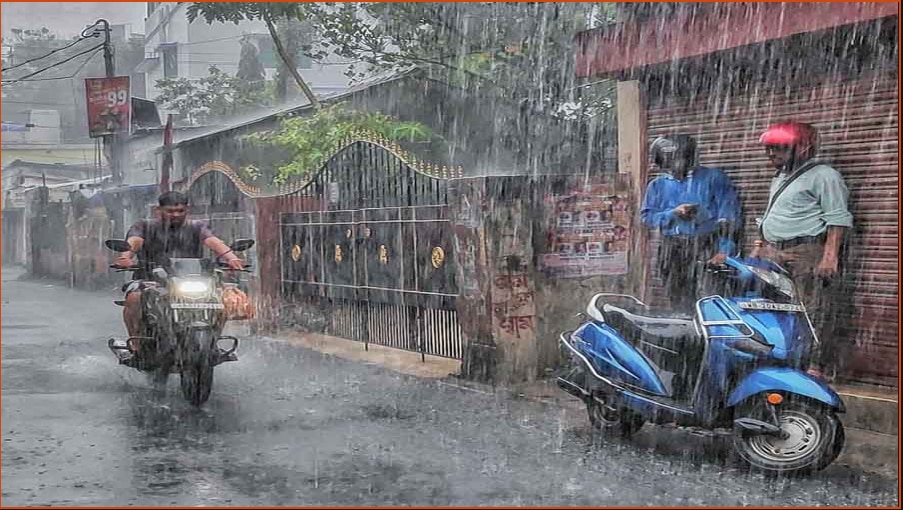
(170, 59)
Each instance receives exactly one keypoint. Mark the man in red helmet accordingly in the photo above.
(803, 229)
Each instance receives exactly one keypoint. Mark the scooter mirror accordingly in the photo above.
(117, 245)
(159, 273)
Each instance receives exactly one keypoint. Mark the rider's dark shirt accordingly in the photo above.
(162, 242)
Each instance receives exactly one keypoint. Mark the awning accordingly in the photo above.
(9, 126)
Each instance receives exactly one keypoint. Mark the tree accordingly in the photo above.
(250, 83)
(299, 145)
(250, 69)
(213, 97)
(515, 50)
(270, 13)
(297, 37)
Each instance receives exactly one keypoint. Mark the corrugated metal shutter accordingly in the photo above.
(858, 124)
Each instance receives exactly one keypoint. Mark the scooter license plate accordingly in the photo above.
(198, 306)
(765, 305)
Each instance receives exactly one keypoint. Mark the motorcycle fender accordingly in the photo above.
(199, 346)
(786, 380)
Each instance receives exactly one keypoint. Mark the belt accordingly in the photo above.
(797, 241)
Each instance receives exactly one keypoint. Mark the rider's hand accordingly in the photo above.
(763, 250)
(685, 211)
(717, 260)
(124, 260)
(236, 263)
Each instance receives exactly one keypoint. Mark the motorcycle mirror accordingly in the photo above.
(117, 245)
(242, 244)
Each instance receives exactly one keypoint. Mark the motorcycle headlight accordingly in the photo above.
(777, 280)
(193, 287)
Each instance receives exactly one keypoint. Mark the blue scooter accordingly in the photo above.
(736, 363)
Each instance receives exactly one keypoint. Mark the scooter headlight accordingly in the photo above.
(777, 280)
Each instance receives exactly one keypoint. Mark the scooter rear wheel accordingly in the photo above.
(815, 439)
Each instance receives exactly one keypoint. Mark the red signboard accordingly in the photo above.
(109, 105)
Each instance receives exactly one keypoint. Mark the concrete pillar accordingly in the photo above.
(466, 200)
(632, 163)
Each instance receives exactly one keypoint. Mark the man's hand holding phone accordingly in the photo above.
(686, 211)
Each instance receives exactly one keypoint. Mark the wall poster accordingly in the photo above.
(588, 232)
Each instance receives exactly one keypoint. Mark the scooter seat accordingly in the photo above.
(669, 341)
(660, 324)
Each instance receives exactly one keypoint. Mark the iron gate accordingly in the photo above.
(377, 259)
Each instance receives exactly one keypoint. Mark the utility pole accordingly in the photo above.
(110, 141)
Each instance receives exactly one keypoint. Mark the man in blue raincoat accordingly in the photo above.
(697, 211)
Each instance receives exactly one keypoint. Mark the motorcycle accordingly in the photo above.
(183, 316)
(734, 366)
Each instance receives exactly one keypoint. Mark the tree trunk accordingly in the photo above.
(289, 62)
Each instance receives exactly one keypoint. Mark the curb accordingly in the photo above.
(872, 409)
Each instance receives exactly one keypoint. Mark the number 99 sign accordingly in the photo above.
(109, 105)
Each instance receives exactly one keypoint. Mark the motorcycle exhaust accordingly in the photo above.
(572, 388)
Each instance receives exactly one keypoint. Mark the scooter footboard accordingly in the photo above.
(784, 379)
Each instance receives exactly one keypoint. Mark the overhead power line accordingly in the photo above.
(73, 43)
(27, 76)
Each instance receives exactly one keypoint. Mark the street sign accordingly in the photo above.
(109, 105)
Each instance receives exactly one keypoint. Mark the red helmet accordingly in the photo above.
(802, 137)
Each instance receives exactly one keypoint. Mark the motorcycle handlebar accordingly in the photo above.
(122, 269)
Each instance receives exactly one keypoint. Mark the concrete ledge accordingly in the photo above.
(870, 408)
(405, 362)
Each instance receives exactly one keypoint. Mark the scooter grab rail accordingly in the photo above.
(612, 384)
(725, 306)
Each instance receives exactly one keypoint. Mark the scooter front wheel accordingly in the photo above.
(606, 418)
(813, 438)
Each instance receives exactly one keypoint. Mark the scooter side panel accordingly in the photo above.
(787, 380)
(780, 329)
(614, 357)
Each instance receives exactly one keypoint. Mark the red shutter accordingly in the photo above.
(857, 121)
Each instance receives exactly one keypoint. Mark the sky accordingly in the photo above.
(69, 18)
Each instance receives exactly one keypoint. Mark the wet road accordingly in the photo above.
(289, 426)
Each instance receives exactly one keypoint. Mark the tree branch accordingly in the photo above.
(289, 63)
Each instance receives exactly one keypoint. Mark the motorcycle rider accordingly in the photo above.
(171, 234)
(697, 210)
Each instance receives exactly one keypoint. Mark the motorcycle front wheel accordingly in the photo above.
(815, 438)
(196, 377)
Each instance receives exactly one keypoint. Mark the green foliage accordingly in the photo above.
(309, 141)
(214, 96)
(235, 12)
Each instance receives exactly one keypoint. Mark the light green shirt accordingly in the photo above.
(813, 202)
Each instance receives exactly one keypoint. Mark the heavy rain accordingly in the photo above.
(450, 254)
